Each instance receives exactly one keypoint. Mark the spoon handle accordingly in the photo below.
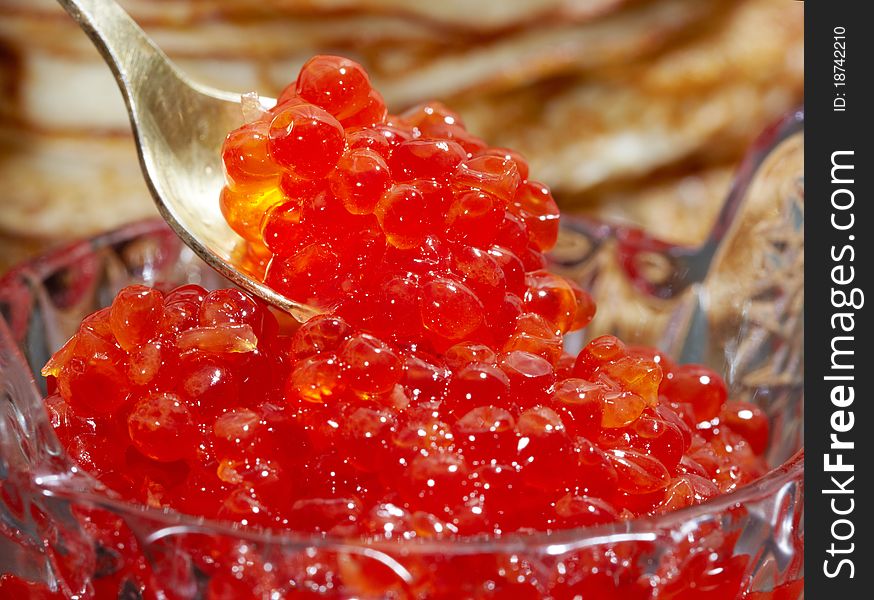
(132, 56)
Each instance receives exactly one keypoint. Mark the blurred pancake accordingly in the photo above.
(451, 14)
(69, 186)
(704, 99)
(536, 54)
(409, 62)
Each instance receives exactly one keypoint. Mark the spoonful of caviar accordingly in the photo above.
(179, 127)
(300, 151)
(407, 225)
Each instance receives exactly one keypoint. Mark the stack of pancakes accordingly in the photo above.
(631, 109)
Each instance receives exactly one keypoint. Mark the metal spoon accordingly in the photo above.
(179, 128)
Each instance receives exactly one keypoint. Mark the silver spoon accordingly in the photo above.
(179, 126)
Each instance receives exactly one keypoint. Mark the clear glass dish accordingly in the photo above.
(743, 318)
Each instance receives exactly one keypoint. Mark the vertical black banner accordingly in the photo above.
(838, 173)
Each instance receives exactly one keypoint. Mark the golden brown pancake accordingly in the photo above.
(455, 15)
(704, 99)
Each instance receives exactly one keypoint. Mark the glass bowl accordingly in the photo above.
(62, 531)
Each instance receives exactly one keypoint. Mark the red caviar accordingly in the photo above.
(357, 209)
(433, 396)
(208, 389)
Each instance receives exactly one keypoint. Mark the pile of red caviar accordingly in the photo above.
(433, 398)
(197, 401)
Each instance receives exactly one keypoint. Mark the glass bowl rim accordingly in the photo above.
(640, 529)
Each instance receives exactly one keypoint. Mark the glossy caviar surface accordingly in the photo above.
(200, 402)
(434, 398)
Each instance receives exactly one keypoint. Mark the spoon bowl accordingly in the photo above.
(179, 126)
